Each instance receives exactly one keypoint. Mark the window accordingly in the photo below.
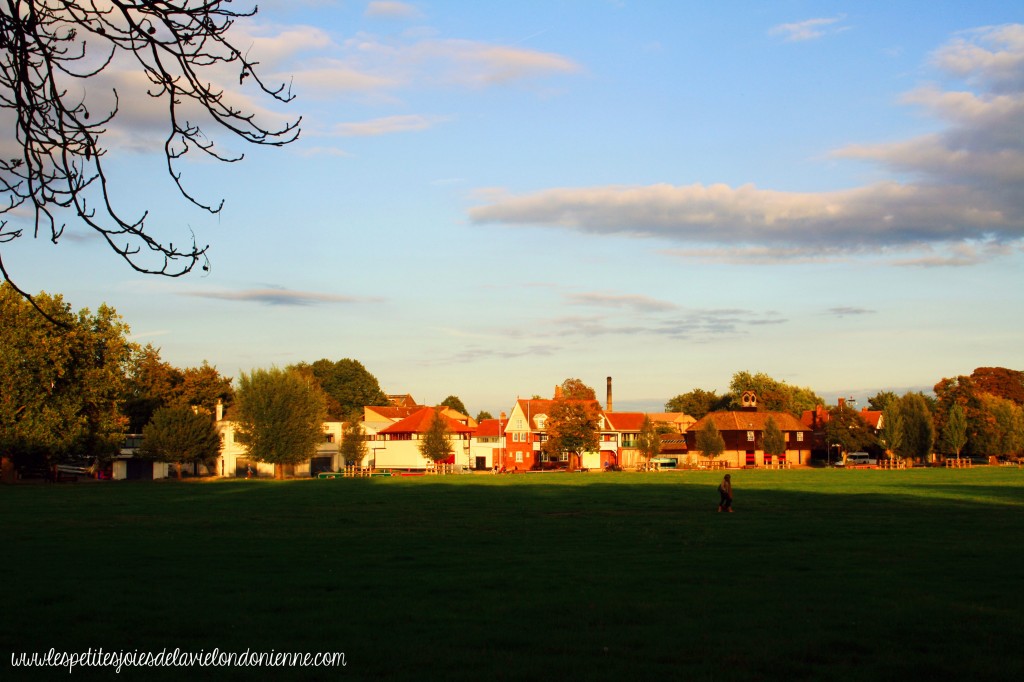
(328, 437)
(785, 436)
(519, 457)
(800, 436)
(564, 457)
(750, 436)
(519, 424)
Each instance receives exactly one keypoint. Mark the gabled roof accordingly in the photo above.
(402, 400)
(392, 412)
(748, 421)
(489, 428)
(625, 421)
(872, 417)
(420, 421)
(537, 406)
(820, 416)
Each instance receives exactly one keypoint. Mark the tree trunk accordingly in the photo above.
(8, 474)
(177, 466)
(279, 472)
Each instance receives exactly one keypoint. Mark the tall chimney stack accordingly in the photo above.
(608, 406)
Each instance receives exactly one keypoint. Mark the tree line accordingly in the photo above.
(980, 415)
(73, 385)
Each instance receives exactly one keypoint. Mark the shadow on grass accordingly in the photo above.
(817, 576)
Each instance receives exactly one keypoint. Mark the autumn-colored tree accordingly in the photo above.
(575, 389)
(1000, 382)
(573, 427)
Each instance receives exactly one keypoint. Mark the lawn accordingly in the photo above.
(819, 575)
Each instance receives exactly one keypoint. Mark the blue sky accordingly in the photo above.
(487, 198)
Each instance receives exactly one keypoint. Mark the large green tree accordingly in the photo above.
(698, 403)
(573, 427)
(954, 431)
(847, 428)
(348, 385)
(436, 444)
(891, 436)
(774, 395)
(60, 384)
(181, 434)
(879, 400)
(455, 403)
(918, 428)
(279, 416)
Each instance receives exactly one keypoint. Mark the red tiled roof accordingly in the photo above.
(490, 427)
(534, 406)
(420, 421)
(749, 421)
(821, 416)
(872, 417)
(393, 412)
(625, 421)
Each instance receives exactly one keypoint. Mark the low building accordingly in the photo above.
(397, 446)
(743, 433)
(486, 444)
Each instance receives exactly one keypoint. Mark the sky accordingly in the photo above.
(488, 198)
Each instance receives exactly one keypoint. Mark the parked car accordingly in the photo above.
(858, 459)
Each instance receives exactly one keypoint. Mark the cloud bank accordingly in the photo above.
(960, 191)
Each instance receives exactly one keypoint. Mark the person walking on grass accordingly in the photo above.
(725, 494)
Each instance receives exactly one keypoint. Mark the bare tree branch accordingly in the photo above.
(182, 48)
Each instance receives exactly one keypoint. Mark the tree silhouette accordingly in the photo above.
(52, 53)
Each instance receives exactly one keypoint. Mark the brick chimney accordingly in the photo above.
(558, 392)
(608, 405)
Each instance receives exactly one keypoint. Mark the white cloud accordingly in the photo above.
(809, 29)
(388, 125)
(991, 57)
(629, 301)
(389, 9)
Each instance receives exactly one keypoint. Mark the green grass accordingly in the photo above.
(819, 575)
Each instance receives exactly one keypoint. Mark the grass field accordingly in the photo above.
(819, 575)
